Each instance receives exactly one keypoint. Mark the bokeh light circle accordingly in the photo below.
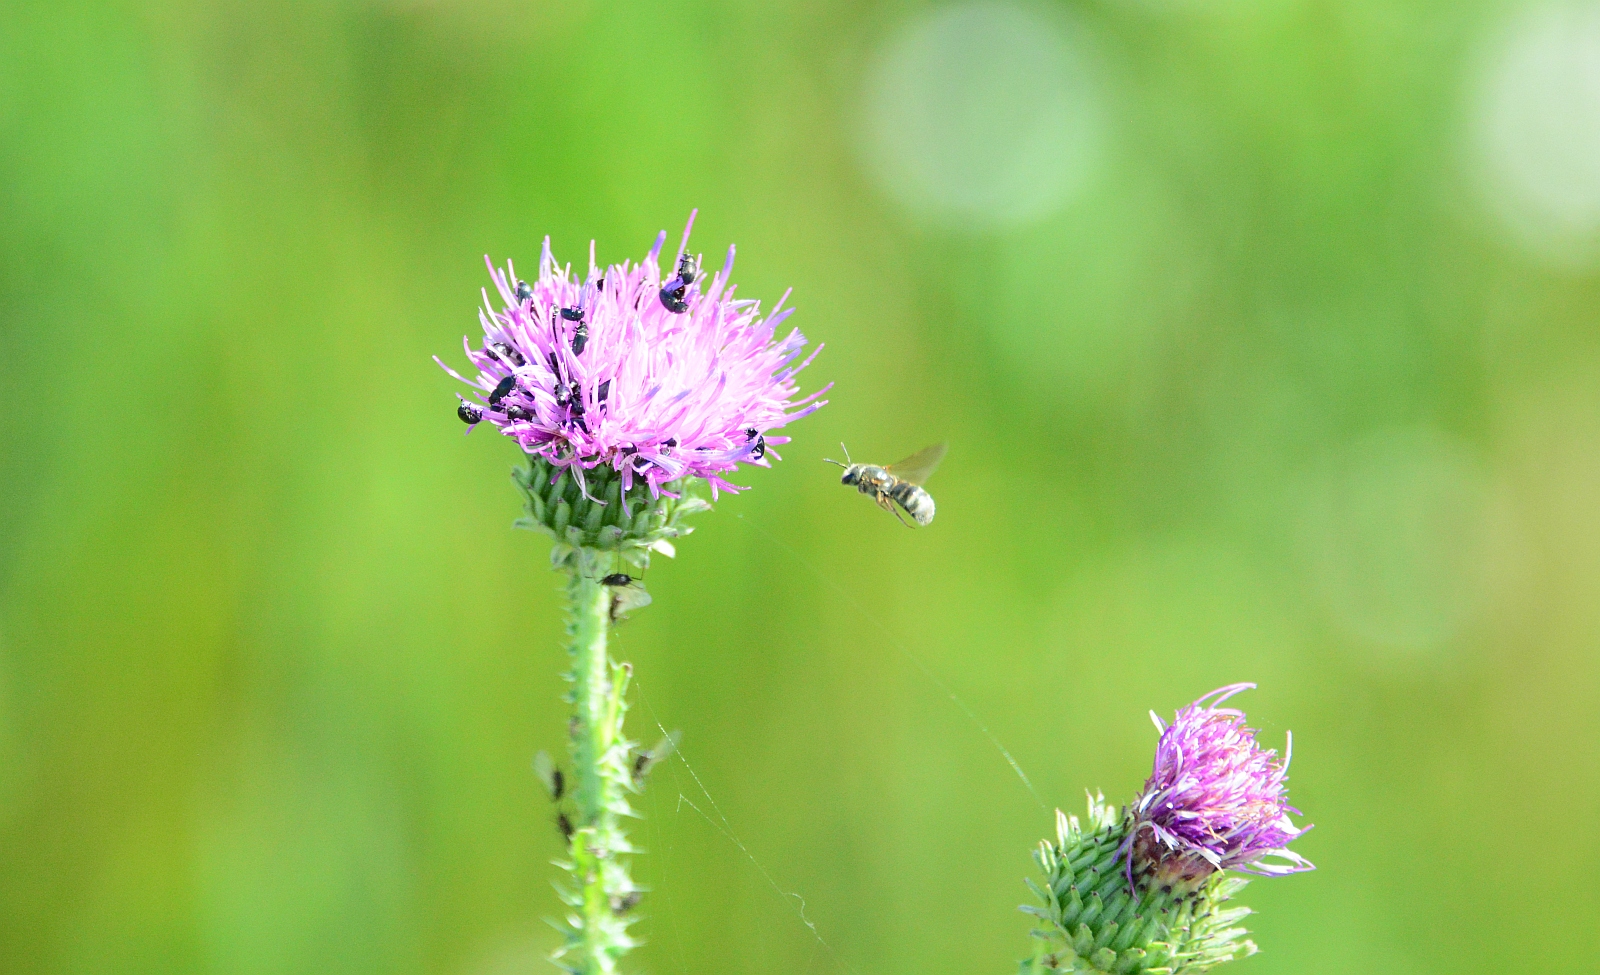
(984, 114)
(1396, 531)
(1535, 131)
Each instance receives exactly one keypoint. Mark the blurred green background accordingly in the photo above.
(1263, 332)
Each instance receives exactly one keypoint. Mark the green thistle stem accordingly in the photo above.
(604, 893)
(591, 736)
(599, 531)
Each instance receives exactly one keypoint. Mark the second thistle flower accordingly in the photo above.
(1215, 800)
(1146, 890)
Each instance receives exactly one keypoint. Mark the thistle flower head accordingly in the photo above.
(622, 375)
(1216, 800)
(1142, 891)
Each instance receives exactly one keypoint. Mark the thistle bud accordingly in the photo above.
(1215, 800)
(1146, 889)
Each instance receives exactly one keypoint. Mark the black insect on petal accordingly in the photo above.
(580, 338)
(524, 291)
(674, 296)
(517, 413)
(605, 387)
(501, 391)
(563, 394)
(469, 413)
(760, 450)
(575, 406)
(506, 353)
(573, 314)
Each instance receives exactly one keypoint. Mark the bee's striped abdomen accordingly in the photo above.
(917, 502)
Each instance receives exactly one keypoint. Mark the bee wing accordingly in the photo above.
(919, 466)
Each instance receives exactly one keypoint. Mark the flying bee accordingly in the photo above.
(900, 482)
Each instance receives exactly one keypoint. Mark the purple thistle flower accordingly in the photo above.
(653, 379)
(1216, 800)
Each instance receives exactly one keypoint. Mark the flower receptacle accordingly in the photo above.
(596, 521)
(1094, 920)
